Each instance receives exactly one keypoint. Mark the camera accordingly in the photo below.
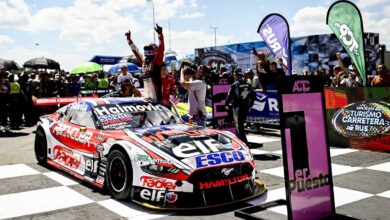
(188, 65)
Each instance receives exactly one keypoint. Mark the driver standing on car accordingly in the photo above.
(154, 57)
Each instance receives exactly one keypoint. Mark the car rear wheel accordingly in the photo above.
(119, 175)
(40, 147)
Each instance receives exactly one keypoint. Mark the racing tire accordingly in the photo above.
(119, 176)
(40, 147)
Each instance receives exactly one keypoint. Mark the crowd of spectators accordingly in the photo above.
(17, 91)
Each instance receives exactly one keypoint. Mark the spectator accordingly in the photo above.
(383, 77)
(253, 79)
(168, 86)
(128, 90)
(273, 76)
(263, 65)
(348, 77)
(240, 99)
(94, 81)
(15, 102)
(74, 86)
(125, 75)
(102, 82)
(349, 80)
(191, 81)
(4, 97)
(113, 80)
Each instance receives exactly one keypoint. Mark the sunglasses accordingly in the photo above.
(150, 53)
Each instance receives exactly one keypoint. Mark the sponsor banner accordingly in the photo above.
(362, 119)
(221, 120)
(311, 53)
(57, 100)
(265, 109)
(345, 20)
(306, 156)
(99, 92)
(359, 117)
(275, 32)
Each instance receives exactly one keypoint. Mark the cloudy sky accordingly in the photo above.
(73, 31)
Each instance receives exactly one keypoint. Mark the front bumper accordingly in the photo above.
(210, 198)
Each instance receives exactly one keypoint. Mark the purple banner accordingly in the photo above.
(306, 155)
(275, 32)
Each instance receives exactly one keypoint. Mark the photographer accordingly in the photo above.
(192, 81)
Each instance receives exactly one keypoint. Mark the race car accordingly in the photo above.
(139, 150)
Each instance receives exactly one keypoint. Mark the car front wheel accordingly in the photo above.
(40, 147)
(119, 175)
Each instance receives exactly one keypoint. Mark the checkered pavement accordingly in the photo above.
(361, 179)
(29, 191)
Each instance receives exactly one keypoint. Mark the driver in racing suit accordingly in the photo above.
(150, 65)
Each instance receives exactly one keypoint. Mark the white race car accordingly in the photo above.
(141, 151)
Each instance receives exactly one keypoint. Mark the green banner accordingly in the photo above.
(345, 21)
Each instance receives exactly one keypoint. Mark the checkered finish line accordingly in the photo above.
(31, 191)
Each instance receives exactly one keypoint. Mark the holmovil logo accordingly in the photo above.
(348, 38)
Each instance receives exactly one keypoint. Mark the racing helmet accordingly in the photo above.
(150, 49)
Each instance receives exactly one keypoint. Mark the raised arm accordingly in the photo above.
(161, 46)
(341, 64)
(134, 48)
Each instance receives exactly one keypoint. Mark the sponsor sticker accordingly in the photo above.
(223, 182)
(158, 196)
(71, 132)
(115, 119)
(112, 109)
(157, 183)
(186, 150)
(171, 197)
(67, 158)
(81, 106)
(219, 158)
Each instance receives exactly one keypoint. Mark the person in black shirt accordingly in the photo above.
(273, 75)
(240, 99)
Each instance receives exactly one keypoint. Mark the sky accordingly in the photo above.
(73, 31)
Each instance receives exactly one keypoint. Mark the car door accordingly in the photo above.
(74, 132)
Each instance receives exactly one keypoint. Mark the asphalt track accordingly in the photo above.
(29, 191)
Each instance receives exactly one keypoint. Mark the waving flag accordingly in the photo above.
(275, 31)
(345, 20)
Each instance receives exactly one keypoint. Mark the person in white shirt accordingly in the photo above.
(253, 79)
(123, 76)
(192, 81)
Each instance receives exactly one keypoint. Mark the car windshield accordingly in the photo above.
(134, 115)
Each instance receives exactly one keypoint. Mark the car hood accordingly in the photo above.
(193, 147)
